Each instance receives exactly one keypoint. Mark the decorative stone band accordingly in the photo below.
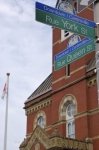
(67, 143)
(55, 142)
(38, 106)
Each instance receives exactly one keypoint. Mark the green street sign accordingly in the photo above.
(44, 15)
(75, 55)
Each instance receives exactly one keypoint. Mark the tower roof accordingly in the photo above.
(44, 87)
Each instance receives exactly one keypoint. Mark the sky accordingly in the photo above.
(25, 53)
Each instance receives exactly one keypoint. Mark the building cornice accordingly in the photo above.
(38, 99)
(38, 106)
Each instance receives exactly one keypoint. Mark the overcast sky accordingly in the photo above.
(25, 52)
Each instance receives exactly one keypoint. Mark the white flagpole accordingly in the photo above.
(6, 113)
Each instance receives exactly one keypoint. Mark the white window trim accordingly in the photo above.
(63, 37)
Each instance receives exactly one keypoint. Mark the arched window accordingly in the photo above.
(70, 111)
(67, 110)
(40, 119)
(70, 122)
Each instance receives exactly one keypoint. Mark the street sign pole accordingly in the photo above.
(96, 19)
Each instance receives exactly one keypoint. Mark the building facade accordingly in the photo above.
(63, 112)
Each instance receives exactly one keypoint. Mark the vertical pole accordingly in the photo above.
(6, 113)
(96, 19)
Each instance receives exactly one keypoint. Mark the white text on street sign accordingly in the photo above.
(62, 60)
(63, 20)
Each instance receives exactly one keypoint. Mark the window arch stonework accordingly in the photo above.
(67, 111)
(39, 115)
(68, 99)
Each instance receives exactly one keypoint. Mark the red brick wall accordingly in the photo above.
(31, 118)
(94, 125)
(29, 123)
(86, 123)
(81, 125)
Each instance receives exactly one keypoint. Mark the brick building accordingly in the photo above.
(63, 112)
